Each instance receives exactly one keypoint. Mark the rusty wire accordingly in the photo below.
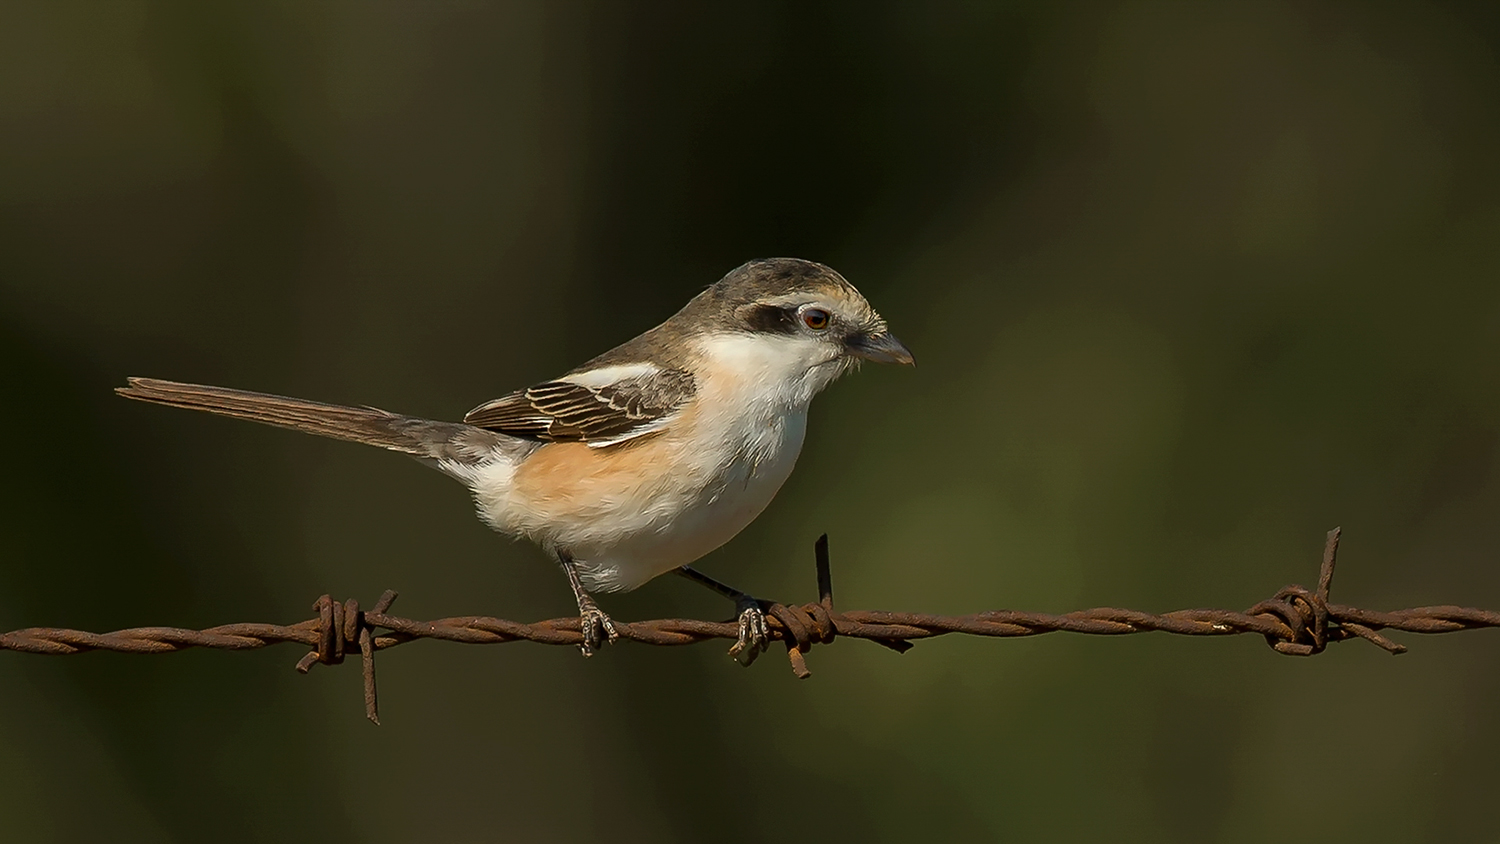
(1297, 622)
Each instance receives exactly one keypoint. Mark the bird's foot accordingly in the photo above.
(597, 628)
(755, 634)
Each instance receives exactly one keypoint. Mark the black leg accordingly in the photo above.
(755, 634)
(597, 628)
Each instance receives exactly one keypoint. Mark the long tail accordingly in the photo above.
(407, 434)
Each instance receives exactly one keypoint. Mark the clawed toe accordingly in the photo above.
(597, 628)
(755, 634)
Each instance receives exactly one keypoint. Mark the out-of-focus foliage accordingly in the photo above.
(1189, 284)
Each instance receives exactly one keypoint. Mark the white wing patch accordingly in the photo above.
(605, 376)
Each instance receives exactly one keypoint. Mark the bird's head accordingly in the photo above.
(808, 306)
(788, 321)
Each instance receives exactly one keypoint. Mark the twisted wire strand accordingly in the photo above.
(1296, 621)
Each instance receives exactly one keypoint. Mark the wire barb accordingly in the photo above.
(1296, 622)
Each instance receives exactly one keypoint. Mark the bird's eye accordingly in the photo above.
(815, 318)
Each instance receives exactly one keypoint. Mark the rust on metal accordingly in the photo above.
(1296, 621)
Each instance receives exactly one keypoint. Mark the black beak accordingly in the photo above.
(881, 348)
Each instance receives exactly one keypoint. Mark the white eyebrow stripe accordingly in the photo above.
(606, 375)
(795, 299)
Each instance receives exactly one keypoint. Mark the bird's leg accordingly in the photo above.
(755, 634)
(596, 627)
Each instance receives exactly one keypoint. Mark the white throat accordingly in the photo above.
(780, 372)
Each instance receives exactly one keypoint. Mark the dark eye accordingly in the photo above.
(815, 318)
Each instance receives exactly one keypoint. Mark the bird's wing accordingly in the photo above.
(600, 407)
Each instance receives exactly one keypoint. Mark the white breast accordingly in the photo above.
(714, 473)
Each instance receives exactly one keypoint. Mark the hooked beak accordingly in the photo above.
(882, 347)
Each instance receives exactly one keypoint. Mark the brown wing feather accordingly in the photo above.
(562, 411)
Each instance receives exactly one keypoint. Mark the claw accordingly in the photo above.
(755, 634)
(597, 628)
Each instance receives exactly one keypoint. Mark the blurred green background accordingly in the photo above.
(1190, 284)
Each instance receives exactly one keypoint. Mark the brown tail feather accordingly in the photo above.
(407, 434)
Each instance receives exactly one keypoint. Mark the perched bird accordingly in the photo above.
(644, 459)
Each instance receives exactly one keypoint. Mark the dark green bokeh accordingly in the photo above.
(1189, 284)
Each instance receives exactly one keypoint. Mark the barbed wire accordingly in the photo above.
(1296, 621)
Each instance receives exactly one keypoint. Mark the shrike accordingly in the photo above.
(647, 457)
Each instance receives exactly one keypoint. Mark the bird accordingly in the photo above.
(644, 459)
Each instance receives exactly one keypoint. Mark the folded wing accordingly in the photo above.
(601, 407)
